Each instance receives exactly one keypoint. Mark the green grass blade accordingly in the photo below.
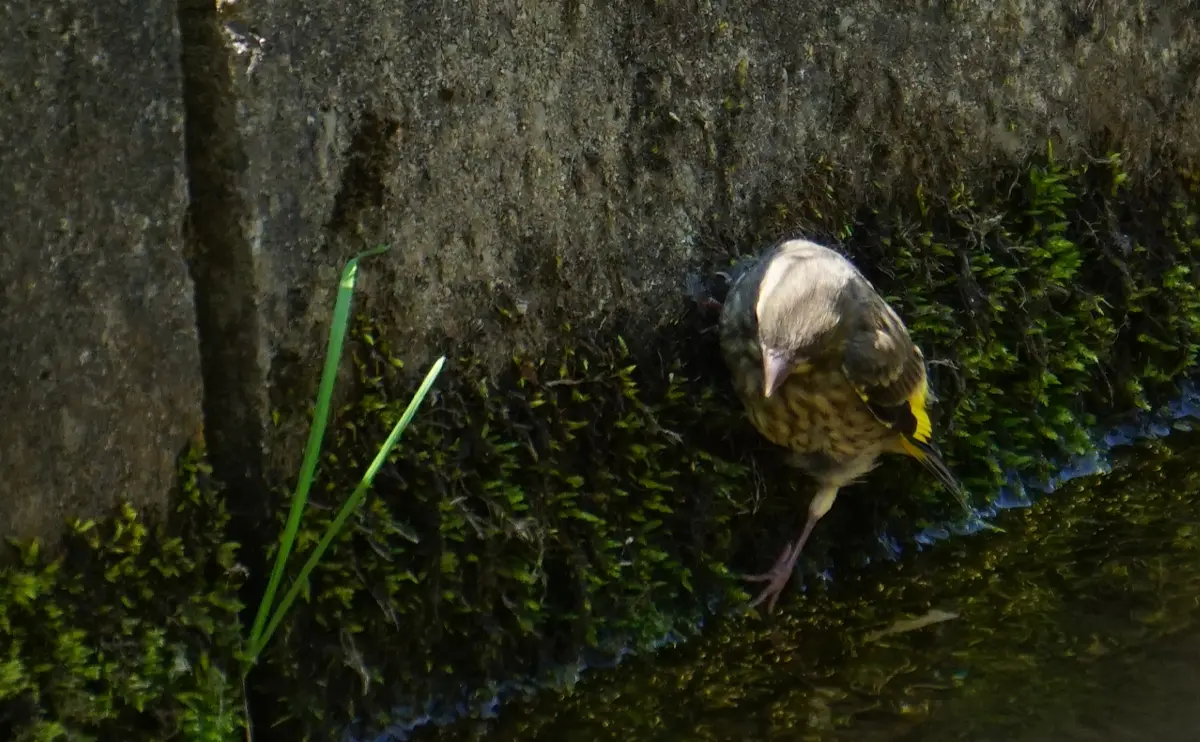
(333, 355)
(350, 505)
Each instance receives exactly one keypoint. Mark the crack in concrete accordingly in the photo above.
(224, 272)
(220, 256)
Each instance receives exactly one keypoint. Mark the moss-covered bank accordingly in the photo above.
(1049, 612)
(595, 494)
(131, 632)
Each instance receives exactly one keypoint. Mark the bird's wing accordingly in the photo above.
(887, 369)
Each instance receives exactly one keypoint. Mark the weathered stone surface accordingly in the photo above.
(574, 158)
(579, 157)
(101, 382)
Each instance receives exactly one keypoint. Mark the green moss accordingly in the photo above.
(523, 519)
(131, 632)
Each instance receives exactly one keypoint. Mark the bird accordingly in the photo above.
(827, 369)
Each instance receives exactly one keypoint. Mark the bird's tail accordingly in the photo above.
(932, 460)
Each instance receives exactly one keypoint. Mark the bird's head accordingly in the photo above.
(798, 312)
(787, 337)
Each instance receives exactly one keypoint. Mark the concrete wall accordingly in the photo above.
(577, 156)
(99, 373)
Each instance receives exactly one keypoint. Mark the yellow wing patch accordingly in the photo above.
(916, 405)
(910, 418)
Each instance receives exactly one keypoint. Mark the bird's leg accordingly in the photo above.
(781, 572)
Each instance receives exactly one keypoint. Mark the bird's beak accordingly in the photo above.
(776, 367)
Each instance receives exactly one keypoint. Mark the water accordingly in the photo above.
(1078, 622)
(1153, 694)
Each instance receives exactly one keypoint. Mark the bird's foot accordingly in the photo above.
(776, 578)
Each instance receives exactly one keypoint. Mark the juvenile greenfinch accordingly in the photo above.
(826, 369)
